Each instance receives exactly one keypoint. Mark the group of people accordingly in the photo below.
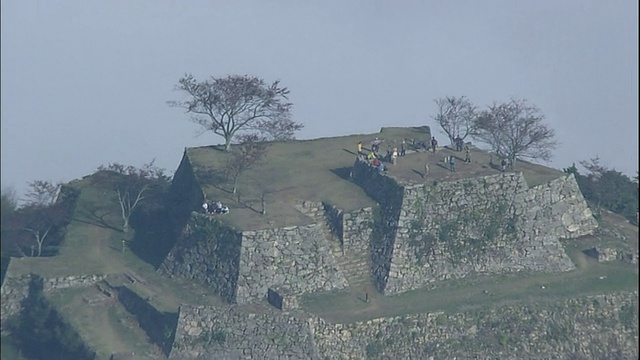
(376, 160)
(214, 208)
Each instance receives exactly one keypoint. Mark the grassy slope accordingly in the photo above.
(93, 245)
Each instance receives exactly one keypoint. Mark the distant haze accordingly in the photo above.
(84, 83)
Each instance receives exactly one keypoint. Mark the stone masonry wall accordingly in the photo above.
(231, 333)
(357, 227)
(488, 224)
(593, 327)
(296, 257)
(207, 252)
(491, 224)
(241, 267)
(15, 289)
(560, 207)
(589, 327)
(389, 194)
(335, 219)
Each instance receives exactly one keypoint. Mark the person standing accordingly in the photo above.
(467, 154)
(426, 170)
(402, 148)
(394, 156)
(452, 163)
(359, 147)
(375, 146)
(434, 143)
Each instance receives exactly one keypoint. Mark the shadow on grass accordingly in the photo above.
(418, 172)
(154, 235)
(349, 151)
(446, 167)
(343, 172)
(94, 216)
(214, 178)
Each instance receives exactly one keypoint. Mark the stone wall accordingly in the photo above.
(16, 288)
(231, 333)
(283, 299)
(477, 225)
(357, 228)
(590, 327)
(296, 257)
(334, 217)
(492, 224)
(208, 252)
(594, 327)
(241, 267)
(559, 207)
(389, 194)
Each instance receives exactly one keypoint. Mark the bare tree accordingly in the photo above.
(246, 154)
(133, 185)
(455, 116)
(41, 221)
(238, 103)
(42, 193)
(515, 130)
(41, 214)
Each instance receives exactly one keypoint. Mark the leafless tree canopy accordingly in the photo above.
(42, 193)
(40, 216)
(132, 187)
(455, 116)
(238, 103)
(515, 130)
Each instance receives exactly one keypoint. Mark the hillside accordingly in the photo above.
(126, 307)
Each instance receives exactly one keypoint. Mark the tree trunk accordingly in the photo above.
(39, 248)
(227, 143)
(235, 183)
(125, 226)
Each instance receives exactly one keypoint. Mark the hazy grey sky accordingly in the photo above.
(84, 83)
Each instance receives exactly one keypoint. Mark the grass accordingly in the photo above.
(318, 170)
(93, 245)
(589, 278)
(8, 351)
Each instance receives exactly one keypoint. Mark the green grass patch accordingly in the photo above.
(477, 292)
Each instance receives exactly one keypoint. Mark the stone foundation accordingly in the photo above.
(283, 299)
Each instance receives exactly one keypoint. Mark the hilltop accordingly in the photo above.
(319, 169)
(350, 257)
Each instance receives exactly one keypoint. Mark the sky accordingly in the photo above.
(85, 83)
